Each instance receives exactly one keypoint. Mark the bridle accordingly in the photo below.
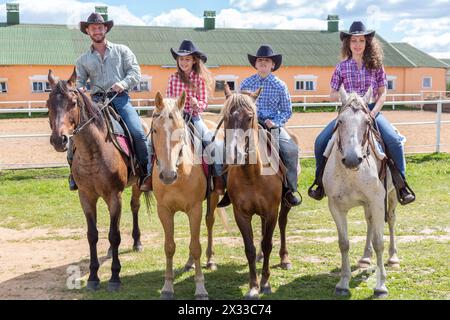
(184, 143)
(370, 129)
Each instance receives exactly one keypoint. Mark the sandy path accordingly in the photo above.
(37, 151)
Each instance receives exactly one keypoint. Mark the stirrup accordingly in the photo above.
(408, 189)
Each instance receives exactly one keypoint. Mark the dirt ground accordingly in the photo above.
(26, 152)
(37, 261)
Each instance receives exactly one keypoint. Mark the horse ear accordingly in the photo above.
(51, 78)
(73, 78)
(159, 101)
(226, 89)
(368, 96)
(181, 100)
(344, 95)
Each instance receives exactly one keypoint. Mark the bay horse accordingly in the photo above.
(254, 187)
(179, 184)
(352, 178)
(98, 168)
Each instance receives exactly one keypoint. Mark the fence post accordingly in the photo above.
(438, 126)
(421, 99)
(393, 104)
(304, 101)
(139, 104)
(29, 108)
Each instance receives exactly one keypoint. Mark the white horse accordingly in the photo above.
(351, 178)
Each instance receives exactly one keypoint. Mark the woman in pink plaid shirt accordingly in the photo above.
(361, 69)
(195, 79)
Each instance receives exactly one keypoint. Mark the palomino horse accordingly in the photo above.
(254, 186)
(352, 178)
(179, 184)
(98, 168)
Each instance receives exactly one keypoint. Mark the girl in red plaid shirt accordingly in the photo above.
(195, 79)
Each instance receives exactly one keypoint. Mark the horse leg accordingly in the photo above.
(210, 264)
(282, 222)
(135, 205)
(89, 205)
(195, 249)
(364, 262)
(340, 218)
(393, 261)
(115, 209)
(269, 227)
(380, 289)
(244, 223)
(260, 255)
(166, 217)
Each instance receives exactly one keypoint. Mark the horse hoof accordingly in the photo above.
(252, 295)
(364, 264)
(113, 286)
(394, 264)
(93, 285)
(188, 268)
(138, 248)
(266, 290)
(379, 294)
(211, 266)
(109, 254)
(341, 292)
(286, 266)
(167, 295)
(201, 297)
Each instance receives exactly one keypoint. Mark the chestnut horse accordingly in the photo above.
(179, 184)
(253, 186)
(98, 168)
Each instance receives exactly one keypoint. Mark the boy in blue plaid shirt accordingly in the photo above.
(274, 110)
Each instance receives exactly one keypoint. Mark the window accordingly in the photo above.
(3, 87)
(305, 85)
(305, 82)
(142, 86)
(391, 80)
(427, 83)
(41, 86)
(220, 85)
(228, 78)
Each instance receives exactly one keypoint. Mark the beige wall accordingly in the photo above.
(407, 80)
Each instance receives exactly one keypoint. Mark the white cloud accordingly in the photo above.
(430, 35)
(176, 17)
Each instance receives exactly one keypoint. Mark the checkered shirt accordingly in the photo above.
(197, 90)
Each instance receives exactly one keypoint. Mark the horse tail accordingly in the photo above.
(148, 202)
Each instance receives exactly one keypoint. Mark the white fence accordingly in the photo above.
(438, 121)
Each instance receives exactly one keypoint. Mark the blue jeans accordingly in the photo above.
(393, 142)
(206, 136)
(123, 106)
(289, 156)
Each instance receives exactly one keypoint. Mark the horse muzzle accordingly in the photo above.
(60, 142)
(168, 177)
(352, 163)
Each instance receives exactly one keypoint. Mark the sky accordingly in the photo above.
(423, 24)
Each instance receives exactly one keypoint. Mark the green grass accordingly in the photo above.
(40, 198)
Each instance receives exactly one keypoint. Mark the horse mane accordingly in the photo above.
(88, 108)
(239, 101)
(356, 103)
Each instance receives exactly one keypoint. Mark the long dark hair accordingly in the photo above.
(373, 52)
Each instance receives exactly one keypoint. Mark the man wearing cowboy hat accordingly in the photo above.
(274, 110)
(113, 66)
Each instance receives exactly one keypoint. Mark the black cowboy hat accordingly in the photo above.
(266, 51)
(96, 18)
(188, 48)
(357, 29)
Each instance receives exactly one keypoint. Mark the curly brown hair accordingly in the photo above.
(373, 52)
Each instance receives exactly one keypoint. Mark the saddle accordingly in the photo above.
(119, 134)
